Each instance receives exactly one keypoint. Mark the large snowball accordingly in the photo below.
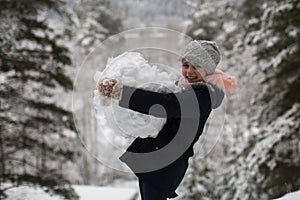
(133, 70)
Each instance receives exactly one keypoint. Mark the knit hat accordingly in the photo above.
(202, 53)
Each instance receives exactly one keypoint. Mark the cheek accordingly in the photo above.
(201, 73)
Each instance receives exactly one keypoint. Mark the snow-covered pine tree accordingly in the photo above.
(278, 42)
(267, 163)
(38, 137)
(262, 161)
(97, 20)
(203, 20)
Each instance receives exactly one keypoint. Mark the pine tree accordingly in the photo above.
(262, 163)
(278, 41)
(267, 165)
(37, 135)
(96, 21)
(215, 20)
(203, 20)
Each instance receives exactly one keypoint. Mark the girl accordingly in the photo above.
(160, 163)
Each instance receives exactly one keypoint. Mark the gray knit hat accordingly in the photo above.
(202, 53)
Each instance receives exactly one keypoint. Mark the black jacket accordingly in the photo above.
(186, 113)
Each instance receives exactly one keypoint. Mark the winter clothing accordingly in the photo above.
(110, 88)
(222, 80)
(202, 53)
(215, 100)
(148, 192)
(165, 180)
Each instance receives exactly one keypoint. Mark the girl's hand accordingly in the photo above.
(110, 88)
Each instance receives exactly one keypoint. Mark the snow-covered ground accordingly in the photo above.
(84, 191)
(290, 196)
(124, 191)
(109, 193)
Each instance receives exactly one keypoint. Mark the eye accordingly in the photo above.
(185, 65)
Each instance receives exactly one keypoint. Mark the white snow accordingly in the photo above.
(85, 192)
(199, 32)
(290, 196)
(230, 26)
(109, 193)
(131, 69)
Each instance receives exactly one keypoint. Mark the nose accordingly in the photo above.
(190, 70)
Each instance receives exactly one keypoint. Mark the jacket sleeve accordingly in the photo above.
(188, 104)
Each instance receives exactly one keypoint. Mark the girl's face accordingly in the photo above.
(191, 73)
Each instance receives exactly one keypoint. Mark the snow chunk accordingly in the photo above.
(133, 70)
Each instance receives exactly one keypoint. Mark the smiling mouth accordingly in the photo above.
(191, 77)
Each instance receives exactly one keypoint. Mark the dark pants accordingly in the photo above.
(149, 193)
